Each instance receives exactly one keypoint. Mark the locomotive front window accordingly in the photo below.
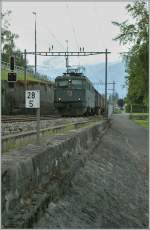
(77, 83)
(63, 83)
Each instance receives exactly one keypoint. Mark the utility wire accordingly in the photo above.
(97, 21)
(72, 25)
(53, 35)
(38, 32)
(73, 29)
(43, 26)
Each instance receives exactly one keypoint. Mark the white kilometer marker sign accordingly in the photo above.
(32, 99)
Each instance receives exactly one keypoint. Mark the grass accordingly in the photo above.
(117, 111)
(20, 76)
(141, 119)
(22, 142)
(139, 116)
(143, 123)
(136, 114)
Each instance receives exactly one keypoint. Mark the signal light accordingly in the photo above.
(12, 77)
(12, 63)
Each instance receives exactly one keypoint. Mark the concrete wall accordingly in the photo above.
(36, 175)
(13, 97)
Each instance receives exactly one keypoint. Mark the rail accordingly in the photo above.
(19, 118)
(15, 141)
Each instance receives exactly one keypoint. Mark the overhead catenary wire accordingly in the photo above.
(73, 29)
(97, 22)
(51, 33)
(51, 44)
(72, 25)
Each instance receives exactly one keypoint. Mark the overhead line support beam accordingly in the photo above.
(66, 53)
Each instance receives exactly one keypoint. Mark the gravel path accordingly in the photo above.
(111, 190)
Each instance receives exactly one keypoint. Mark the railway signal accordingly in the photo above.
(12, 63)
(12, 76)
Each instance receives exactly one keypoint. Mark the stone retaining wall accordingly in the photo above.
(38, 174)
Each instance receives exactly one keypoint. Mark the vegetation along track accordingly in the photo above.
(60, 126)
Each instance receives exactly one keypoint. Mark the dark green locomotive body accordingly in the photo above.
(75, 95)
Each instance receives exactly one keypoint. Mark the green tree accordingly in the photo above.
(8, 41)
(7, 37)
(136, 35)
(120, 102)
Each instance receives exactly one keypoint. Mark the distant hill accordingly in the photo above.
(116, 72)
(96, 73)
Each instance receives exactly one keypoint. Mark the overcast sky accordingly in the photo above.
(85, 24)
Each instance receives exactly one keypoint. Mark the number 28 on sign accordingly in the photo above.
(32, 99)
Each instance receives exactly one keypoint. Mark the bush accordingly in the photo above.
(116, 111)
(136, 108)
(127, 108)
(138, 116)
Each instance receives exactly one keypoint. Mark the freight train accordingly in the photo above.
(74, 95)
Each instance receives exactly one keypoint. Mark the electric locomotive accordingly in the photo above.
(74, 94)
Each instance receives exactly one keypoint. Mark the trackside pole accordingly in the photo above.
(113, 96)
(32, 101)
(38, 109)
(106, 109)
(25, 69)
(38, 126)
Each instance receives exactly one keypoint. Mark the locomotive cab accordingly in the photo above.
(69, 93)
(74, 94)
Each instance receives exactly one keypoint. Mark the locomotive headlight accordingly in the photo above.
(79, 99)
(59, 99)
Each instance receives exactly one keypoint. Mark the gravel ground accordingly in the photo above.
(111, 190)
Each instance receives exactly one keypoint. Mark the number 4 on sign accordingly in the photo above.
(32, 99)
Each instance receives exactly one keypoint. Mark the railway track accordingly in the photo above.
(14, 141)
(23, 118)
(27, 118)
